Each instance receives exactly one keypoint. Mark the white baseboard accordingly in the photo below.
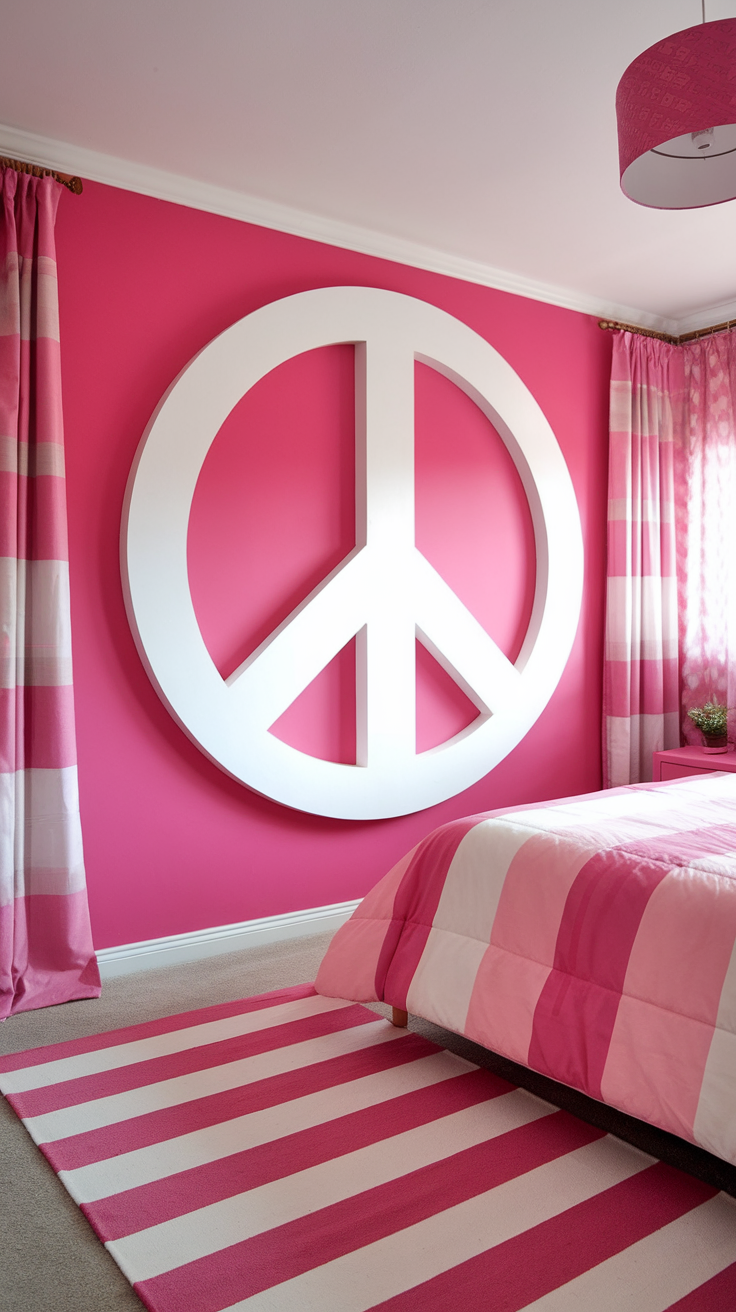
(153, 953)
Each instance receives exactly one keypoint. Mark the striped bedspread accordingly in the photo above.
(591, 939)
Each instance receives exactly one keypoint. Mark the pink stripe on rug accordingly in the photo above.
(154, 1127)
(215, 1282)
(716, 1295)
(136, 1209)
(547, 1256)
(38, 1102)
(150, 1029)
(576, 1011)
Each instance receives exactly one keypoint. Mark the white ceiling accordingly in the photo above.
(480, 130)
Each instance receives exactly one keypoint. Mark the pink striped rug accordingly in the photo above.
(297, 1153)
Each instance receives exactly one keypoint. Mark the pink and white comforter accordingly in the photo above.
(592, 939)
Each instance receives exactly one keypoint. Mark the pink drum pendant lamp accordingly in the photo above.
(676, 110)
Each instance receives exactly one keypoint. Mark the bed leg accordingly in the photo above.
(399, 1018)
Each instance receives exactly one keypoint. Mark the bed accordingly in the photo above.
(590, 939)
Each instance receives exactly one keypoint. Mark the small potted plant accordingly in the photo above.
(712, 721)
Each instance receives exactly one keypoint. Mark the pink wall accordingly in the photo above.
(173, 844)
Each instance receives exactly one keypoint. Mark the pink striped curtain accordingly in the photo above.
(46, 953)
(641, 696)
(706, 501)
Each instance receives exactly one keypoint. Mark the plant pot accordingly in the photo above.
(715, 742)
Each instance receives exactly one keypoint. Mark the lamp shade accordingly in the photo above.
(676, 110)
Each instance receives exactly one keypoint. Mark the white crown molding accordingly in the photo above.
(180, 190)
(712, 314)
(153, 953)
(115, 172)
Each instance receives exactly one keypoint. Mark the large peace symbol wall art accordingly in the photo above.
(385, 594)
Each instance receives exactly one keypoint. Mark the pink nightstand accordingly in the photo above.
(679, 761)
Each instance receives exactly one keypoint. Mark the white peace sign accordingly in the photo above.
(385, 591)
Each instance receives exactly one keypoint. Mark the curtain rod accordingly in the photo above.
(21, 166)
(613, 325)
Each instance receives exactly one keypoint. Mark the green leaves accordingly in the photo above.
(711, 719)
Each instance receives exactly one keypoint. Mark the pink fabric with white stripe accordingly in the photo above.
(641, 695)
(591, 939)
(706, 521)
(46, 953)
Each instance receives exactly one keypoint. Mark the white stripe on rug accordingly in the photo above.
(86, 1184)
(196, 1036)
(656, 1272)
(359, 1280)
(209, 1229)
(214, 1079)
